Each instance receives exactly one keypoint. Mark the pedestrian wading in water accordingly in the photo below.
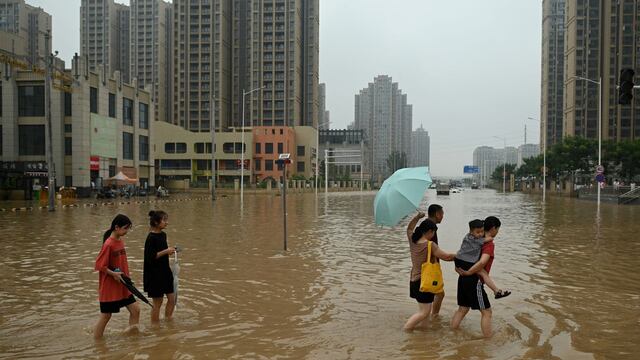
(157, 276)
(112, 264)
(419, 239)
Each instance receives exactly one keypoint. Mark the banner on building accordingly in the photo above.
(104, 138)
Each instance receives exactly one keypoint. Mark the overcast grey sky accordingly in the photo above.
(470, 68)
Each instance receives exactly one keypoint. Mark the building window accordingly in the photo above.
(112, 170)
(68, 181)
(300, 166)
(67, 104)
(143, 144)
(112, 105)
(301, 150)
(67, 146)
(181, 148)
(170, 148)
(30, 100)
(258, 164)
(68, 128)
(127, 111)
(93, 100)
(198, 148)
(31, 139)
(280, 148)
(268, 148)
(175, 164)
(258, 148)
(127, 146)
(232, 148)
(203, 164)
(143, 115)
(268, 165)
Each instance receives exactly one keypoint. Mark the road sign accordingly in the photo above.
(469, 169)
(600, 178)
(599, 169)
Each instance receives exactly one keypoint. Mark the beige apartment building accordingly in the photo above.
(151, 54)
(104, 36)
(23, 28)
(250, 44)
(599, 42)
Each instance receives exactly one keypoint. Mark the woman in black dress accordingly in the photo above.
(157, 275)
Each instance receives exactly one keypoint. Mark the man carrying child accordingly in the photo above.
(473, 263)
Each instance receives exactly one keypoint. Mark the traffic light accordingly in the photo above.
(625, 92)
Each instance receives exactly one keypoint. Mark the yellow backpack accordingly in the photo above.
(431, 275)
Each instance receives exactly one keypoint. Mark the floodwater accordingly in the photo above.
(340, 292)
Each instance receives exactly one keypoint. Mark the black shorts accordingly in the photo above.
(161, 288)
(471, 293)
(421, 297)
(110, 307)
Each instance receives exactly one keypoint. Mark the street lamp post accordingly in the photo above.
(244, 93)
(599, 83)
(544, 159)
(504, 165)
(51, 170)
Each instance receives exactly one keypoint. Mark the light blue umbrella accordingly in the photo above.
(400, 195)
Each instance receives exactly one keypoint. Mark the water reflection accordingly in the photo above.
(341, 291)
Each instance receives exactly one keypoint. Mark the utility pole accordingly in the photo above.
(47, 108)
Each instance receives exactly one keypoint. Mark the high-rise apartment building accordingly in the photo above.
(151, 51)
(487, 159)
(201, 57)
(104, 36)
(551, 110)
(276, 47)
(381, 110)
(420, 147)
(23, 28)
(526, 151)
(601, 38)
(242, 45)
(324, 120)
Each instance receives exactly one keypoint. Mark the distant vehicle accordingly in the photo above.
(474, 185)
(442, 189)
(432, 186)
(455, 190)
(105, 193)
(142, 192)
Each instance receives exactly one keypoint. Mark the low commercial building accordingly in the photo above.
(352, 148)
(100, 126)
(182, 155)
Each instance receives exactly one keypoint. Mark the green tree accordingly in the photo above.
(396, 160)
(628, 158)
(497, 173)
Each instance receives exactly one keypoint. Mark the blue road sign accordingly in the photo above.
(469, 169)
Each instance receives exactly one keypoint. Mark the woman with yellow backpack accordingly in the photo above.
(426, 276)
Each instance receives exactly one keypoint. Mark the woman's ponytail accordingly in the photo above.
(107, 233)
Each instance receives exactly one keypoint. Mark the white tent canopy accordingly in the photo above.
(122, 178)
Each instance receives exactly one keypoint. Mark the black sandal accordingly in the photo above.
(502, 293)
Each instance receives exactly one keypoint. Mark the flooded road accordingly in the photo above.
(340, 292)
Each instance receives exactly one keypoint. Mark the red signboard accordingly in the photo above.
(94, 163)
